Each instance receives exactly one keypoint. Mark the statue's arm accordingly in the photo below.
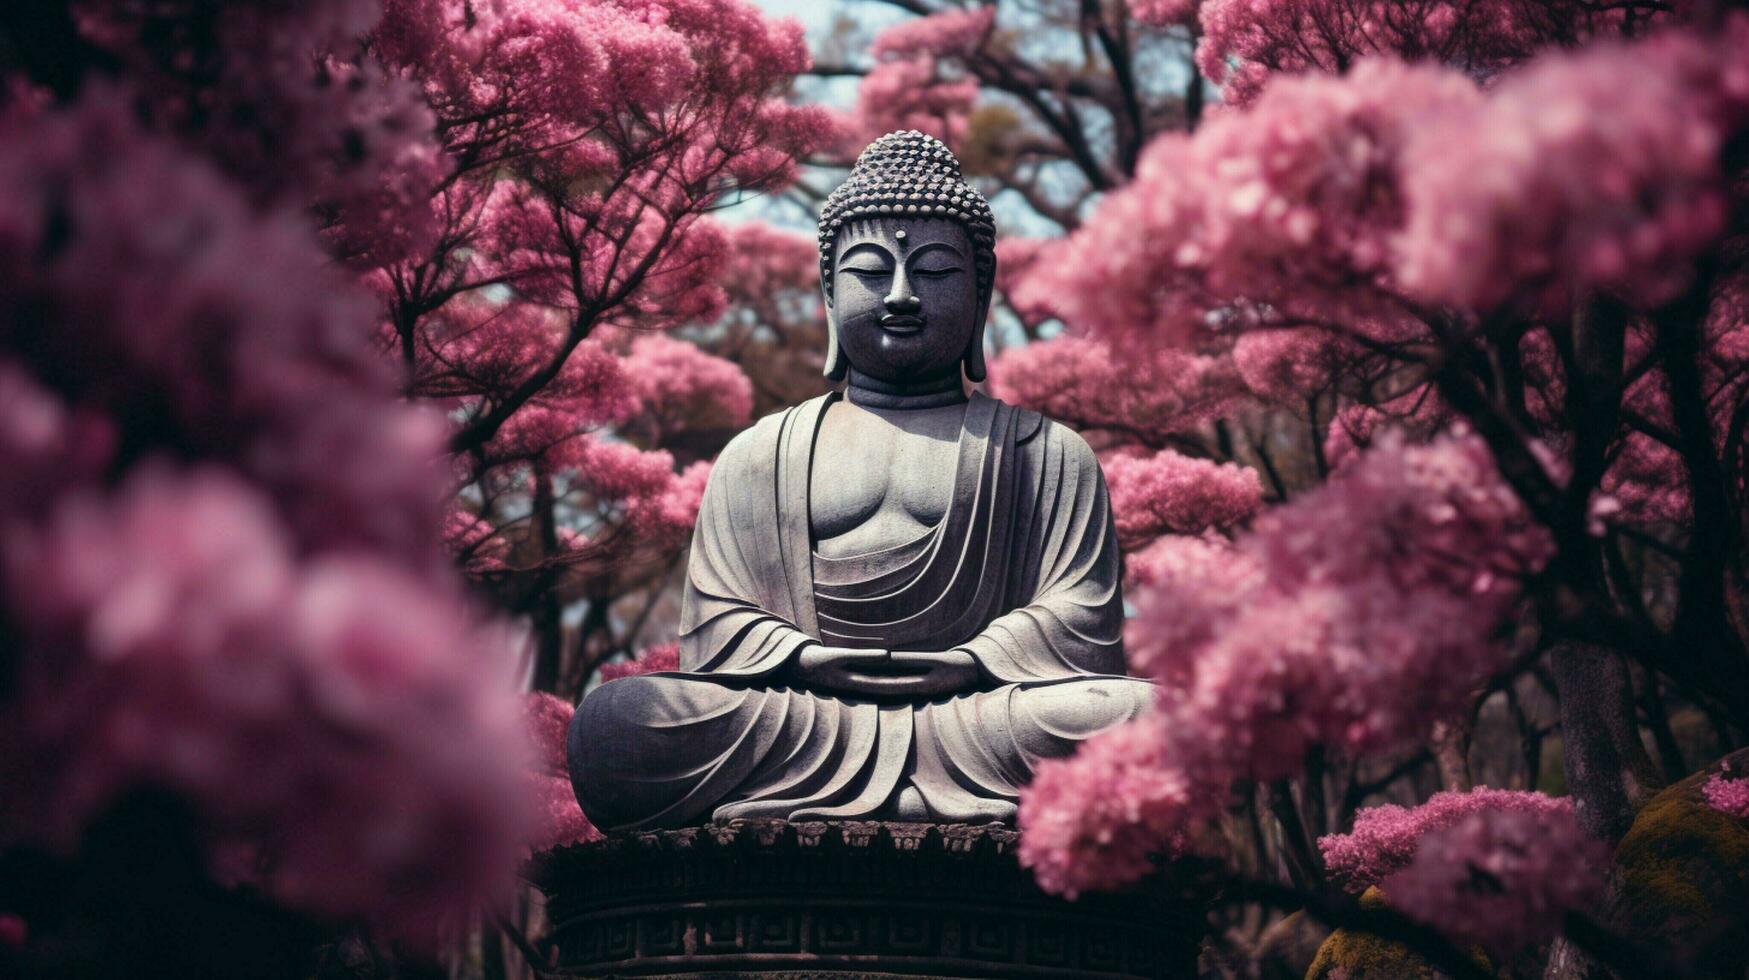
(734, 615)
(1072, 622)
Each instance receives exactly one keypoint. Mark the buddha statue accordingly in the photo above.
(899, 598)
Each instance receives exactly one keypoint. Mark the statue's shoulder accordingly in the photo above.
(1031, 426)
(756, 445)
(1074, 448)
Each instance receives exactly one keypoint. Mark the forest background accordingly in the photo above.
(361, 365)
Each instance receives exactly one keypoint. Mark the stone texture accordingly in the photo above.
(899, 599)
(839, 899)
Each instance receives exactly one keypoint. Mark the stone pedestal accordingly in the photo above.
(844, 899)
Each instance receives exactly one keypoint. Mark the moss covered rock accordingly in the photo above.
(1350, 955)
(1683, 877)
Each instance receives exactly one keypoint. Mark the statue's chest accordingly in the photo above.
(876, 485)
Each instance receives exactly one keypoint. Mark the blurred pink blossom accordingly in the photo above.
(336, 717)
(1504, 878)
(663, 656)
(1351, 617)
(1171, 492)
(1085, 383)
(1101, 817)
(1384, 838)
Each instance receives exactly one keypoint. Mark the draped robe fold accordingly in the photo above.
(1022, 572)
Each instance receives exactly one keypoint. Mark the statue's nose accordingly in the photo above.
(901, 300)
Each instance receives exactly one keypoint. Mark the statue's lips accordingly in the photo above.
(901, 323)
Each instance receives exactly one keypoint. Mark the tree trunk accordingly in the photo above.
(1608, 771)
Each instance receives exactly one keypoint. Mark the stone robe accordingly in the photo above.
(1022, 571)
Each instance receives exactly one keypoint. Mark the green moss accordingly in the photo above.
(1352, 955)
(1683, 877)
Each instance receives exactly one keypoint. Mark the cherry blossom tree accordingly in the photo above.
(574, 228)
(1481, 310)
(241, 683)
(224, 562)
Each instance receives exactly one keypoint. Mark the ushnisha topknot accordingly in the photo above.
(909, 174)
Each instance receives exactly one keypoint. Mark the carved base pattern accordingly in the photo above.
(771, 899)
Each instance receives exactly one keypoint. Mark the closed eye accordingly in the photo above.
(868, 273)
(936, 273)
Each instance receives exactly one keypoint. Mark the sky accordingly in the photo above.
(815, 14)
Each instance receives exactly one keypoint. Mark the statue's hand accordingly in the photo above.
(936, 672)
(835, 668)
(878, 673)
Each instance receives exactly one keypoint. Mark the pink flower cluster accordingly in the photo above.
(1246, 42)
(1417, 414)
(1165, 13)
(683, 387)
(1289, 366)
(1083, 382)
(1284, 214)
(561, 819)
(918, 81)
(279, 96)
(219, 552)
(1561, 181)
(668, 515)
(1351, 617)
(663, 656)
(1384, 838)
(1171, 492)
(949, 34)
(1727, 795)
(1097, 819)
(1334, 200)
(912, 93)
(1503, 878)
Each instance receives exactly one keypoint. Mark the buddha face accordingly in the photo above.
(905, 297)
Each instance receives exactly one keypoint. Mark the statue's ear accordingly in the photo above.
(837, 365)
(974, 357)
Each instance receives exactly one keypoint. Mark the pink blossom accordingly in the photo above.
(1016, 258)
(663, 656)
(683, 387)
(1164, 13)
(49, 447)
(1269, 37)
(1384, 838)
(560, 819)
(1503, 878)
(668, 515)
(334, 716)
(168, 308)
(277, 96)
(918, 81)
(1280, 215)
(951, 33)
(1181, 561)
(1729, 796)
(618, 470)
(1290, 365)
(1171, 492)
(1561, 181)
(1100, 818)
(913, 93)
(1646, 482)
(1351, 617)
(1083, 382)
(250, 609)
(1417, 414)
(765, 259)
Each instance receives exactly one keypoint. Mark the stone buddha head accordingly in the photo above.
(907, 263)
